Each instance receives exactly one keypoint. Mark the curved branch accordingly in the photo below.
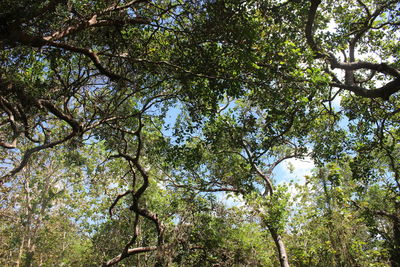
(110, 210)
(383, 92)
(7, 107)
(41, 103)
(91, 55)
(35, 41)
(309, 28)
(266, 178)
(208, 189)
(136, 195)
(383, 68)
(93, 22)
(28, 153)
(130, 252)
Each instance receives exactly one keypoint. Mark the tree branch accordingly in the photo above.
(116, 201)
(383, 68)
(309, 28)
(93, 22)
(383, 92)
(130, 252)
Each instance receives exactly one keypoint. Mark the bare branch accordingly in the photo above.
(110, 210)
(35, 41)
(383, 68)
(309, 28)
(384, 92)
(93, 22)
(28, 153)
(265, 177)
(130, 252)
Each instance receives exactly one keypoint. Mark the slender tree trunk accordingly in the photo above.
(20, 252)
(29, 259)
(395, 252)
(40, 260)
(30, 247)
(283, 258)
(29, 254)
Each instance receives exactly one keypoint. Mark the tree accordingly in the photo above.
(327, 229)
(255, 83)
(359, 23)
(38, 215)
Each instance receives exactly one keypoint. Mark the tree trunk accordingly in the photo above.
(395, 252)
(29, 253)
(29, 259)
(283, 258)
(20, 252)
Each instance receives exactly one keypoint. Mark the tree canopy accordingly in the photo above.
(150, 132)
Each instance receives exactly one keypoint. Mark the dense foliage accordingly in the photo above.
(151, 132)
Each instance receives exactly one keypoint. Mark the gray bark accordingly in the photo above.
(283, 258)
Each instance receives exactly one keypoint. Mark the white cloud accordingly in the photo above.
(301, 167)
(230, 199)
(294, 169)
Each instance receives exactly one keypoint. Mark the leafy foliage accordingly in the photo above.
(154, 132)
